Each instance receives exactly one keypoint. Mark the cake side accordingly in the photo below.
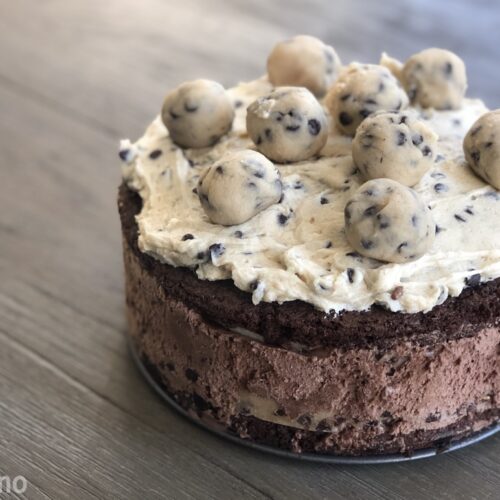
(347, 399)
(300, 324)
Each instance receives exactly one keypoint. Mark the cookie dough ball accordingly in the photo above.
(288, 124)
(197, 113)
(482, 148)
(435, 78)
(303, 61)
(239, 186)
(361, 90)
(387, 221)
(394, 145)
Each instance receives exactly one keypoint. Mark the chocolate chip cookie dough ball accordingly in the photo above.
(239, 186)
(361, 90)
(303, 61)
(288, 124)
(387, 221)
(482, 148)
(394, 145)
(197, 113)
(435, 78)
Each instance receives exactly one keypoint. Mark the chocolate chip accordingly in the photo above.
(414, 220)
(417, 139)
(187, 236)
(219, 169)
(292, 128)
(365, 112)
(314, 126)
(324, 200)
(475, 155)
(440, 187)
(253, 285)
(438, 158)
(329, 244)
(355, 255)
(381, 87)
(473, 280)
(469, 211)
(191, 374)
(488, 144)
(123, 154)
(370, 211)
(345, 119)
(397, 293)
(370, 101)
(401, 246)
(282, 219)
(238, 103)
(173, 115)
(201, 255)
(269, 134)
(345, 97)
(259, 140)
(216, 250)
(350, 274)
(238, 234)
(367, 244)
(426, 151)
(448, 69)
(438, 229)
(280, 412)
(459, 218)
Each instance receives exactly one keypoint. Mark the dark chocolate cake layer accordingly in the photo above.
(476, 308)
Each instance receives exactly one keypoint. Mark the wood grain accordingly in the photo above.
(77, 419)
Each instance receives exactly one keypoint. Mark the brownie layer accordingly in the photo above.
(347, 399)
(296, 322)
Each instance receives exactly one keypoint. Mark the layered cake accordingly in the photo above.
(312, 258)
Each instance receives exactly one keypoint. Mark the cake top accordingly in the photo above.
(267, 186)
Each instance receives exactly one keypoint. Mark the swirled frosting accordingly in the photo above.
(297, 249)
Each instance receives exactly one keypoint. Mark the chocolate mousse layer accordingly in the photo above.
(366, 382)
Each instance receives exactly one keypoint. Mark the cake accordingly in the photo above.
(325, 281)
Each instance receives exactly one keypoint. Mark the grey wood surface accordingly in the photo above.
(76, 419)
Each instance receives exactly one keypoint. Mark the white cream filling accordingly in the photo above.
(308, 258)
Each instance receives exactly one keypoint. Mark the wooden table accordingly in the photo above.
(77, 420)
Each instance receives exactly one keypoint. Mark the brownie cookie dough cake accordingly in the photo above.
(312, 258)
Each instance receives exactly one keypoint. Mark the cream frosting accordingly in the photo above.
(297, 249)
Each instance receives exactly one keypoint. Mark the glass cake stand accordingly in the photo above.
(311, 457)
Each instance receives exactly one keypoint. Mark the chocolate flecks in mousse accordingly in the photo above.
(187, 236)
(433, 417)
(191, 375)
